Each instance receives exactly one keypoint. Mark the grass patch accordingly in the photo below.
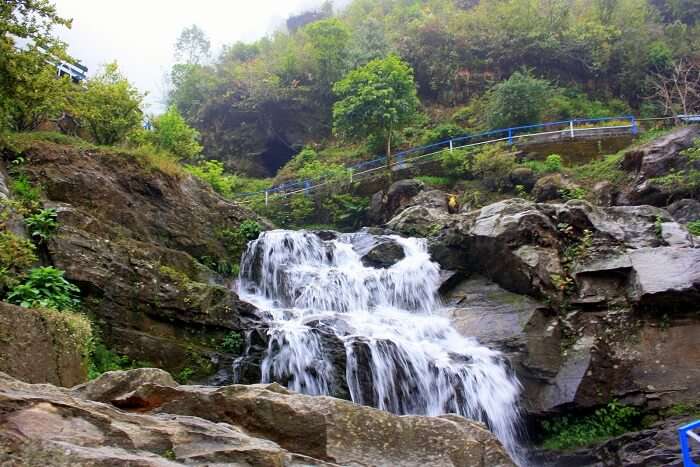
(103, 359)
(607, 168)
(569, 432)
(20, 142)
(153, 159)
(435, 181)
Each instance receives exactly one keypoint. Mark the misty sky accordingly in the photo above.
(140, 34)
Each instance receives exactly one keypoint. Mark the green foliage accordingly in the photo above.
(212, 172)
(42, 224)
(493, 164)
(232, 343)
(302, 209)
(345, 210)
(16, 257)
(45, 287)
(576, 192)
(435, 181)
(606, 168)
(28, 195)
(679, 181)
(570, 432)
(110, 106)
(103, 359)
(171, 133)
(328, 40)
(519, 100)
(442, 132)
(375, 100)
(552, 163)
(458, 161)
(29, 90)
(694, 227)
(235, 241)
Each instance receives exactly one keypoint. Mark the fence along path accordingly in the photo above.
(419, 155)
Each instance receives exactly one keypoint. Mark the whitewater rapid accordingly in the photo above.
(400, 354)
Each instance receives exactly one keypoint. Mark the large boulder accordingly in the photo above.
(236, 425)
(384, 204)
(685, 210)
(43, 346)
(384, 255)
(656, 159)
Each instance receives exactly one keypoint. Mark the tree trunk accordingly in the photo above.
(389, 159)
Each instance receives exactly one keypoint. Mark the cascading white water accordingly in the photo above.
(399, 355)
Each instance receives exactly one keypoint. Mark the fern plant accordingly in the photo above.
(42, 224)
(45, 287)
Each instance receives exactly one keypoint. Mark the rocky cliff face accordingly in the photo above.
(135, 239)
(144, 418)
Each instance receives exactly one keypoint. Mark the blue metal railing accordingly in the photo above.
(684, 433)
(503, 134)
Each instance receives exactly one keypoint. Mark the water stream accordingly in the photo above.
(399, 354)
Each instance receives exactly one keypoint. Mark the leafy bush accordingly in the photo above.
(16, 256)
(519, 100)
(45, 287)
(212, 172)
(573, 193)
(26, 193)
(345, 210)
(232, 343)
(109, 107)
(457, 161)
(694, 227)
(552, 163)
(171, 133)
(570, 432)
(442, 132)
(494, 165)
(235, 240)
(435, 181)
(103, 359)
(42, 224)
(301, 209)
(315, 170)
(568, 103)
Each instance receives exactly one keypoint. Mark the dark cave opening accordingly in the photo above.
(276, 154)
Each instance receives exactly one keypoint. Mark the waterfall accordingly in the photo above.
(399, 355)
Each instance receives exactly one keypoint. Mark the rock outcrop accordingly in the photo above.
(43, 346)
(384, 204)
(590, 304)
(655, 159)
(135, 240)
(143, 418)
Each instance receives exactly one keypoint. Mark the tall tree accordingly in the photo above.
(328, 39)
(375, 100)
(192, 46)
(28, 47)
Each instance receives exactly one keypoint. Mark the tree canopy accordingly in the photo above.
(375, 100)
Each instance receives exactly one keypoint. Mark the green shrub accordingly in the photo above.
(573, 193)
(16, 256)
(494, 165)
(302, 208)
(345, 210)
(42, 224)
(235, 240)
(26, 193)
(457, 161)
(694, 227)
(435, 181)
(45, 287)
(172, 133)
(232, 343)
(571, 432)
(227, 185)
(103, 359)
(519, 100)
(552, 163)
(442, 132)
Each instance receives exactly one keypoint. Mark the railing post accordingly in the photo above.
(450, 145)
(351, 172)
(571, 128)
(635, 128)
(307, 187)
(266, 198)
(684, 433)
(510, 136)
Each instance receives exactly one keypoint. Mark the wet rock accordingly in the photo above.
(384, 255)
(665, 277)
(685, 210)
(604, 193)
(384, 204)
(254, 425)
